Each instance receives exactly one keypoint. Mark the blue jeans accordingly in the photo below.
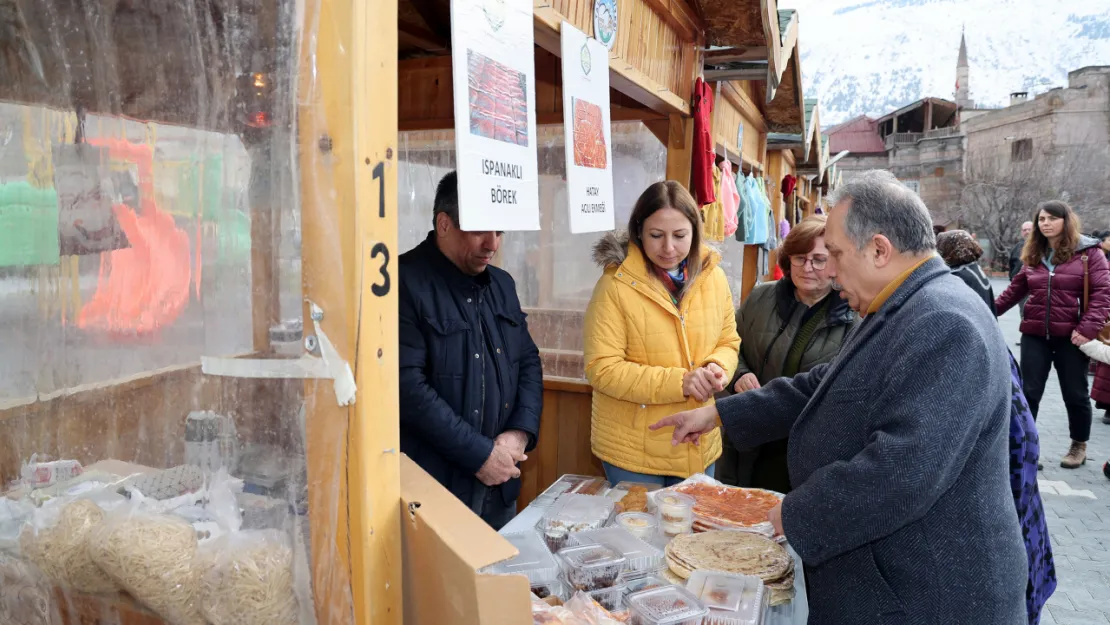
(616, 475)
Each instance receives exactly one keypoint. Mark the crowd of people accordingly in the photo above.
(871, 385)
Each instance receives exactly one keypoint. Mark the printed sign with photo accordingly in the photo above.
(587, 132)
(493, 65)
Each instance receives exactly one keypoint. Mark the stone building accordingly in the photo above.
(1060, 138)
(919, 143)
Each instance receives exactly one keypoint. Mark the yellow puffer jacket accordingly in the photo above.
(638, 345)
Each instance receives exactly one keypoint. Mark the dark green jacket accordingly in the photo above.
(767, 324)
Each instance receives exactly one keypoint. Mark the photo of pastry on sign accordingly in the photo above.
(589, 135)
(498, 100)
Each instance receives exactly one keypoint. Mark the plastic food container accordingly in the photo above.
(641, 559)
(612, 599)
(676, 513)
(573, 513)
(572, 484)
(731, 599)
(591, 567)
(534, 561)
(649, 582)
(552, 588)
(640, 524)
(672, 605)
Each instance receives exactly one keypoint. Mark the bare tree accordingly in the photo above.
(1000, 193)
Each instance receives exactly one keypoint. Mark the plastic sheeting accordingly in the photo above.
(148, 176)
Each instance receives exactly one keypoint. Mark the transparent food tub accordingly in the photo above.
(671, 605)
(591, 567)
(570, 514)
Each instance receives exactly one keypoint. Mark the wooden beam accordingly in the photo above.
(770, 12)
(747, 73)
(743, 103)
(736, 55)
(347, 112)
(622, 76)
(410, 35)
(434, 15)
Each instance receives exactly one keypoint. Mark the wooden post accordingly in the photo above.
(347, 124)
(680, 149)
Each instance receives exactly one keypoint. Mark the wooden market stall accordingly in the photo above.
(312, 95)
(747, 50)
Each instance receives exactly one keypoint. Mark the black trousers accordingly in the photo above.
(1038, 356)
(495, 511)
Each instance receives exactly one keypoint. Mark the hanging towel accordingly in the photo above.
(746, 230)
(703, 165)
(713, 213)
(730, 199)
(784, 229)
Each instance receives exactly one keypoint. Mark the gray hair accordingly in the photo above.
(883, 205)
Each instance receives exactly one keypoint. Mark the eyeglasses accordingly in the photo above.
(818, 262)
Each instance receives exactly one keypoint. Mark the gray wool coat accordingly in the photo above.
(901, 510)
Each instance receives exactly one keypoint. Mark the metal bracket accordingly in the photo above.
(328, 366)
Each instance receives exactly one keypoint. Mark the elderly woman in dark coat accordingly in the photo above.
(786, 327)
(961, 252)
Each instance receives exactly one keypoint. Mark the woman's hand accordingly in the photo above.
(697, 384)
(689, 425)
(717, 376)
(1078, 339)
(747, 382)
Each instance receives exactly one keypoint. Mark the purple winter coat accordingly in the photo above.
(1056, 297)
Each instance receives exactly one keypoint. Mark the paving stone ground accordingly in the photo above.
(1077, 506)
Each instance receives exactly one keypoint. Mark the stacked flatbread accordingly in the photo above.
(735, 552)
(721, 507)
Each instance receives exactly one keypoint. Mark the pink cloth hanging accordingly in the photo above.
(730, 198)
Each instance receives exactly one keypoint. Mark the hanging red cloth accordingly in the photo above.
(704, 159)
(788, 184)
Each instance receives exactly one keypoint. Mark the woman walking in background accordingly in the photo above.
(961, 253)
(660, 338)
(786, 327)
(1067, 279)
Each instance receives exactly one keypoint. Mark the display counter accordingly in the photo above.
(794, 612)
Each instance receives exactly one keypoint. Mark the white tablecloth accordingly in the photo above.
(794, 613)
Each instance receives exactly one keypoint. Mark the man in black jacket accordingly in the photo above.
(1015, 252)
(1016, 263)
(471, 378)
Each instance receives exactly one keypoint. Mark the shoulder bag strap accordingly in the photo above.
(1086, 284)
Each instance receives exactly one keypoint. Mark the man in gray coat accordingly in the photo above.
(901, 510)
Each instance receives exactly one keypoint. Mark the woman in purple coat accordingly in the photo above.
(1067, 279)
(961, 252)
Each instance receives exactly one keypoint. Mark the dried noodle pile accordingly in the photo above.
(24, 595)
(248, 580)
(151, 557)
(61, 551)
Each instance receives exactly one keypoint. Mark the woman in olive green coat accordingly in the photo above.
(786, 327)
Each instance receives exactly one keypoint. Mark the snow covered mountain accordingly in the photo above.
(873, 56)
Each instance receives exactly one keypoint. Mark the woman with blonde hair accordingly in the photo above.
(660, 338)
(1066, 277)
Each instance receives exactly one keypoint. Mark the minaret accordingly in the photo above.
(963, 91)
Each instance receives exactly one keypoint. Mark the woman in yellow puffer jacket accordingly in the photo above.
(660, 338)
